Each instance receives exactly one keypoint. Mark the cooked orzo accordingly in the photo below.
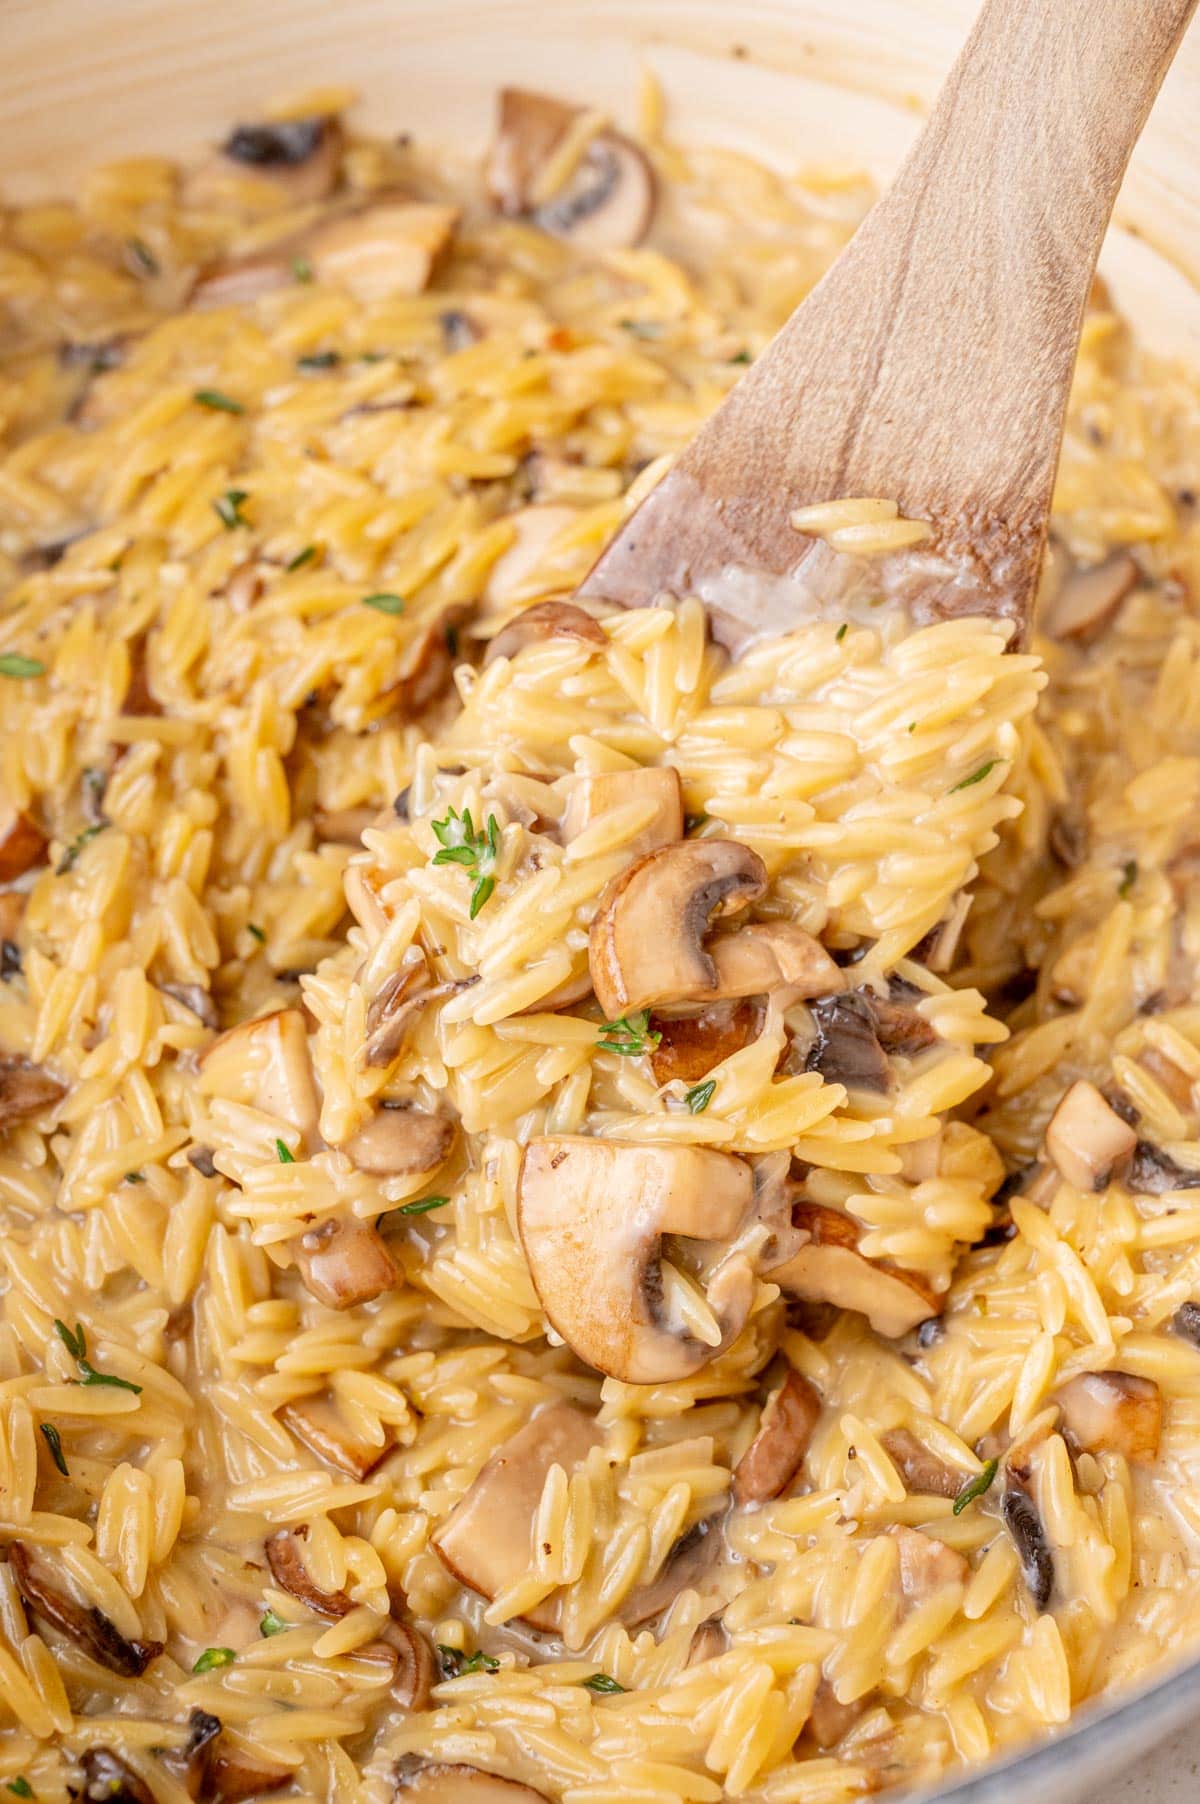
(582, 1220)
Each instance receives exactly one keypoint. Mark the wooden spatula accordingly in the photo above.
(932, 364)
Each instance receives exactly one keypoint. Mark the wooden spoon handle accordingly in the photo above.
(932, 365)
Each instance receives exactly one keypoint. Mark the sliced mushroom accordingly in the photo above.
(420, 1781)
(921, 1470)
(597, 793)
(690, 1045)
(200, 1158)
(485, 1540)
(550, 620)
(1029, 1538)
(319, 1423)
(1153, 1172)
(606, 203)
(536, 529)
(1089, 598)
(647, 940)
(771, 956)
(13, 903)
(345, 1262)
(592, 1214)
(387, 249)
(291, 1575)
(829, 1268)
(847, 1049)
(1186, 1323)
(691, 1558)
(395, 1009)
(829, 1719)
(926, 1565)
(426, 670)
(1113, 1412)
(400, 1141)
(777, 1451)
(709, 1641)
(1087, 1139)
(194, 1759)
(25, 1088)
(900, 1030)
(416, 1671)
(107, 1779)
(299, 158)
(196, 999)
(342, 826)
(236, 1772)
(89, 1628)
(22, 845)
(265, 1064)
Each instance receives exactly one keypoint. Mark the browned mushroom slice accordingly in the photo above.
(709, 1641)
(606, 203)
(485, 1540)
(345, 1262)
(1113, 1412)
(1089, 598)
(921, 1470)
(926, 1565)
(592, 1215)
(597, 793)
(395, 1009)
(846, 1049)
(343, 826)
(900, 1030)
(777, 1451)
(319, 1424)
(690, 1045)
(1087, 1139)
(237, 1772)
(829, 1719)
(1029, 1538)
(1153, 1172)
(437, 1782)
(425, 672)
(829, 1268)
(265, 1064)
(387, 249)
(193, 1762)
(284, 1557)
(22, 845)
(25, 1088)
(555, 620)
(691, 1558)
(536, 528)
(195, 999)
(416, 1666)
(295, 161)
(13, 903)
(647, 940)
(107, 1779)
(770, 956)
(89, 1628)
(400, 1141)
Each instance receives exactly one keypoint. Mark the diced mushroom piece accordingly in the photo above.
(647, 939)
(1029, 1538)
(421, 1781)
(291, 1575)
(691, 1558)
(236, 1772)
(921, 1470)
(777, 1451)
(400, 1141)
(1113, 1412)
(771, 956)
(829, 1268)
(25, 1089)
(22, 845)
(592, 1215)
(426, 670)
(709, 1641)
(900, 1030)
(1152, 1172)
(1089, 598)
(345, 1262)
(829, 1719)
(320, 1425)
(298, 158)
(196, 999)
(485, 1540)
(1087, 1139)
(89, 1628)
(598, 792)
(1186, 1323)
(387, 249)
(847, 1049)
(536, 529)
(551, 620)
(107, 1779)
(193, 1762)
(690, 1045)
(265, 1064)
(926, 1565)
(606, 202)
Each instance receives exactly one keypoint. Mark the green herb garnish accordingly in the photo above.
(643, 328)
(302, 269)
(841, 632)
(319, 360)
(976, 1486)
(459, 843)
(76, 1345)
(256, 933)
(283, 1155)
(212, 1657)
(220, 403)
(976, 776)
(629, 1035)
(142, 257)
(229, 506)
(699, 1097)
(1128, 878)
(601, 1682)
(692, 823)
(742, 357)
(272, 1624)
(457, 1665)
(383, 603)
(21, 1786)
(134, 1177)
(421, 1205)
(67, 861)
(15, 664)
(54, 1442)
(301, 558)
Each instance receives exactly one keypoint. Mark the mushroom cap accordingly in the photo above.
(536, 528)
(291, 1575)
(400, 1140)
(546, 619)
(592, 1214)
(829, 1268)
(1113, 1412)
(319, 1423)
(385, 249)
(772, 955)
(441, 1782)
(597, 793)
(1087, 1139)
(293, 162)
(775, 1454)
(607, 203)
(344, 1261)
(265, 1063)
(1089, 597)
(485, 1539)
(647, 939)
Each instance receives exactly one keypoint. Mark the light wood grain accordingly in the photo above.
(932, 364)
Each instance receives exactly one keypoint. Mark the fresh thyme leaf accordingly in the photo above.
(480, 894)
(256, 933)
(742, 357)
(629, 1035)
(457, 1665)
(301, 558)
(601, 1682)
(21, 1786)
(272, 1624)
(54, 1442)
(842, 631)
(459, 843)
(451, 1659)
(283, 1155)
(212, 1657)
(421, 1205)
(15, 664)
(229, 506)
(1128, 878)
(76, 1345)
(219, 402)
(384, 603)
(976, 776)
(479, 1662)
(144, 262)
(698, 1098)
(302, 269)
(67, 861)
(644, 328)
(134, 1177)
(319, 360)
(976, 1486)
